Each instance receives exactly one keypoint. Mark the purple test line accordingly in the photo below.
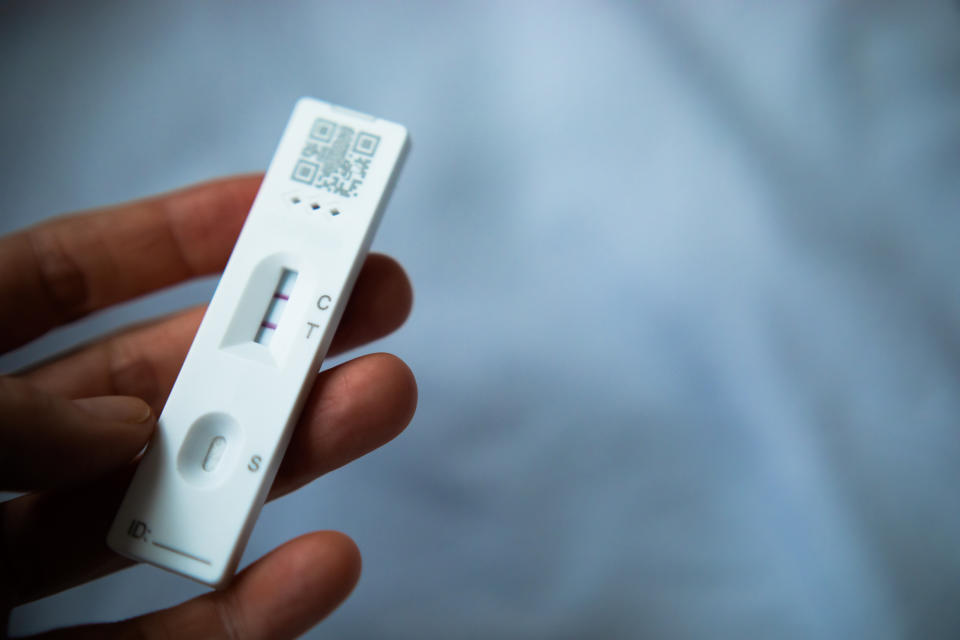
(280, 297)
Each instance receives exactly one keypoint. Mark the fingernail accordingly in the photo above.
(116, 408)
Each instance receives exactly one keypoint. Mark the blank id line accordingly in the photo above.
(182, 553)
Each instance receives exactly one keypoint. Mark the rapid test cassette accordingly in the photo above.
(219, 441)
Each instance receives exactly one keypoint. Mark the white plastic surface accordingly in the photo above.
(221, 436)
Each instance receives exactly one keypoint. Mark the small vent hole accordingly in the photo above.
(314, 206)
(295, 200)
(334, 212)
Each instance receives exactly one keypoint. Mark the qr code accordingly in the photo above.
(335, 158)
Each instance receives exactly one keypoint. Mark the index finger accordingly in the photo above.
(61, 270)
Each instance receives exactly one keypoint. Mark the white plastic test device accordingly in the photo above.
(221, 436)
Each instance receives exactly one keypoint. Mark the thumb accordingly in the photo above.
(46, 440)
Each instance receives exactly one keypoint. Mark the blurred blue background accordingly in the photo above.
(687, 326)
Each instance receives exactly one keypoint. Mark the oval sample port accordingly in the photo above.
(210, 451)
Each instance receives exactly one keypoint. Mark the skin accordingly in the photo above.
(71, 428)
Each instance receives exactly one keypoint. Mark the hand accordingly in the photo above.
(70, 429)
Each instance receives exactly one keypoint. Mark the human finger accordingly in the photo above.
(351, 411)
(47, 441)
(354, 408)
(61, 270)
(279, 596)
(144, 361)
